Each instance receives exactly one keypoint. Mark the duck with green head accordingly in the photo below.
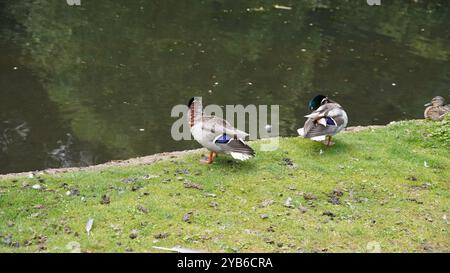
(326, 120)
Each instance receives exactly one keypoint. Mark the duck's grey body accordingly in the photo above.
(326, 121)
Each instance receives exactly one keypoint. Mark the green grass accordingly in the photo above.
(389, 196)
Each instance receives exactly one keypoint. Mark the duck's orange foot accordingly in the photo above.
(209, 159)
(328, 141)
(205, 160)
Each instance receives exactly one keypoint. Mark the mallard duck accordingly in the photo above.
(327, 119)
(436, 109)
(216, 134)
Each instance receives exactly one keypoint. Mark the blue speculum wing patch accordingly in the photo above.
(331, 121)
(223, 139)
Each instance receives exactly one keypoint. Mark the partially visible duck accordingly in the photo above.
(216, 134)
(436, 109)
(327, 119)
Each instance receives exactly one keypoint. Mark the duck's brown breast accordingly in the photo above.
(436, 112)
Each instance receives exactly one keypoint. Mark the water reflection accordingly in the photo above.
(11, 132)
(105, 70)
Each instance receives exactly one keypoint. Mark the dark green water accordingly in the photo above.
(78, 83)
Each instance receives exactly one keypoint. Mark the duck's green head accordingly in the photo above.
(317, 101)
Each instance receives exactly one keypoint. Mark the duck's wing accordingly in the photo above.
(227, 138)
(436, 113)
(236, 147)
(319, 130)
(219, 126)
(443, 111)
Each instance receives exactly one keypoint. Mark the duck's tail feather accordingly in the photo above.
(238, 149)
(240, 156)
(301, 133)
(319, 138)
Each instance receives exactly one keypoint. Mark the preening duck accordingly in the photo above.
(327, 119)
(216, 134)
(436, 109)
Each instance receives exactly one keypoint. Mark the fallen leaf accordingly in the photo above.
(412, 178)
(150, 176)
(303, 209)
(334, 200)
(105, 200)
(73, 247)
(329, 213)
(73, 192)
(266, 203)
(414, 200)
(162, 235)
(134, 234)
(89, 224)
(115, 227)
(288, 203)
(130, 180)
(288, 162)
(190, 185)
(142, 209)
(136, 187)
(187, 217)
(309, 196)
(183, 171)
(427, 246)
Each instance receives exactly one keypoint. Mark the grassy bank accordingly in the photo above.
(385, 189)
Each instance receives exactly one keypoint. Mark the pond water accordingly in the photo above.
(85, 84)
